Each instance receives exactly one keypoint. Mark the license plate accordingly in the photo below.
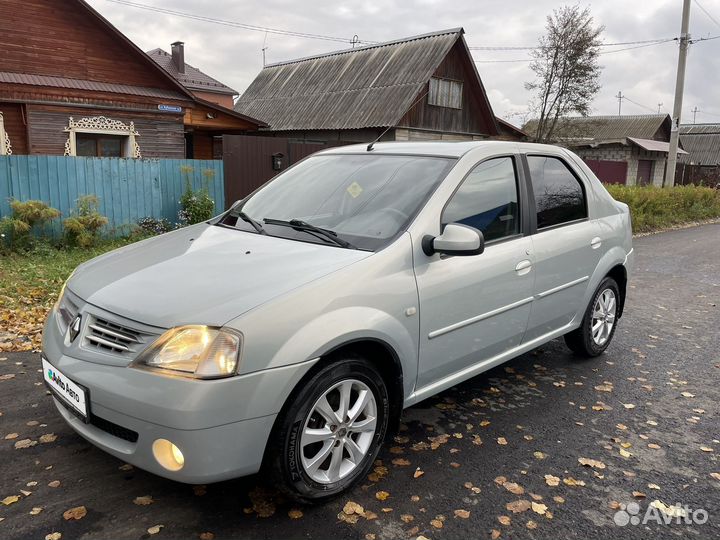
(71, 394)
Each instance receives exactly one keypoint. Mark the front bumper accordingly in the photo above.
(221, 426)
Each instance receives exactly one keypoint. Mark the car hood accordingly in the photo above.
(203, 274)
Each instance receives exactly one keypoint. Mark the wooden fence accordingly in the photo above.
(128, 189)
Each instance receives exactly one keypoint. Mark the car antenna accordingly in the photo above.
(370, 146)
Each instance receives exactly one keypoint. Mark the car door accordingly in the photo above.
(565, 245)
(475, 307)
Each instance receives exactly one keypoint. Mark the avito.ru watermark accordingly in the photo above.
(660, 514)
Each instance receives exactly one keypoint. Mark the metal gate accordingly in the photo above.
(609, 172)
(251, 161)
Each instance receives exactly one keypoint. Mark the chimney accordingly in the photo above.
(178, 55)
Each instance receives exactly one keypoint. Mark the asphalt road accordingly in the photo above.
(653, 396)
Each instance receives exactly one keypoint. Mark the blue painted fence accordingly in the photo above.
(128, 189)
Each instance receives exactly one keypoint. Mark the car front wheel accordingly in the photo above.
(331, 431)
(599, 322)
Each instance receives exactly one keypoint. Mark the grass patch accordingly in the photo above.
(29, 284)
(654, 208)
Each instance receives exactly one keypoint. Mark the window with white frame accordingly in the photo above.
(445, 93)
(98, 136)
(5, 148)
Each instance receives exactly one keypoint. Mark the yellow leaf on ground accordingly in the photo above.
(295, 513)
(7, 501)
(144, 500)
(436, 523)
(381, 495)
(155, 529)
(504, 520)
(54, 484)
(570, 481)
(591, 463)
(35, 511)
(48, 438)
(53, 536)
(75, 513)
(639, 494)
(502, 441)
(353, 508)
(706, 449)
(514, 488)
(24, 443)
(206, 536)
(531, 524)
(518, 506)
(462, 514)
(539, 508)
(418, 473)
(629, 405)
(551, 480)
(494, 534)
(400, 462)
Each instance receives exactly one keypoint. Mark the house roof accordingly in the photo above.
(651, 145)
(371, 86)
(702, 142)
(193, 78)
(593, 130)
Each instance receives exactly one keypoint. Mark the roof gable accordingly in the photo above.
(370, 86)
(702, 142)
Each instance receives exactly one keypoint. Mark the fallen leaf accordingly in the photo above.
(53, 536)
(75, 513)
(504, 520)
(155, 529)
(11, 436)
(406, 518)
(436, 523)
(400, 462)
(539, 508)
(687, 394)
(628, 405)
(514, 488)
(539, 455)
(462, 514)
(570, 481)
(126, 467)
(706, 449)
(591, 463)
(418, 473)
(558, 499)
(35, 511)
(551, 480)
(654, 446)
(494, 534)
(381, 495)
(716, 476)
(295, 513)
(500, 480)
(531, 524)
(638, 494)
(48, 438)
(353, 508)
(54, 484)
(206, 536)
(604, 388)
(24, 443)
(502, 441)
(518, 506)
(144, 500)
(7, 501)
(653, 486)
(625, 453)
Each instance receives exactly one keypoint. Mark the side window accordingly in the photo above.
(559, 197)
(487, 200)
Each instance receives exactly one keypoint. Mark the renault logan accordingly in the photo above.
(291, 331)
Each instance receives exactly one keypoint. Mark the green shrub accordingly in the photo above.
(195, 206)
(655, 208)
(16, 228)
(84, 223)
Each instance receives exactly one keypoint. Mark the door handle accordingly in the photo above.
(523, 267)
(596, 242)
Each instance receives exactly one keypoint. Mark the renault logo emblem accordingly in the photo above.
(75, 328)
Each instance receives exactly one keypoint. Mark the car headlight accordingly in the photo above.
(63, 313)
(197, 351)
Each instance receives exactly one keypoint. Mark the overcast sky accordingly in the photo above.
(645, 75)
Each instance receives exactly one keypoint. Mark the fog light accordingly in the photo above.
(168, 455)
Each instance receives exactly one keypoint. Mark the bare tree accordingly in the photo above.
(566, 68)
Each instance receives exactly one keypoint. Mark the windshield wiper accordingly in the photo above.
(255, 223)
(301, 225)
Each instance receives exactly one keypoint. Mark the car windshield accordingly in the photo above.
(363, 200)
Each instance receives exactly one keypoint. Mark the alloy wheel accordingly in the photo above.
(603, 317)
(339, 431)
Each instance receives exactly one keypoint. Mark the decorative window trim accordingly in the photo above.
(103, 126)
(5, 146)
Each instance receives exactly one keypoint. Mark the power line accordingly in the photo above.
(237, 24)
(706, 12)
(639, 104)
(529, 48)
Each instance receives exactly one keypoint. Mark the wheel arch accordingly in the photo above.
(619, 274)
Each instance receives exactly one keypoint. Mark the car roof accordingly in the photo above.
(453, 149)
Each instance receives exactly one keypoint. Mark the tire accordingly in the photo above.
(291, 454)
(583, 341)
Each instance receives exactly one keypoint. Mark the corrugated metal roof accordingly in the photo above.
(702, 142)
(654, 146)
(369, 86)
(193, 78)
(604, 129)
(81, 84)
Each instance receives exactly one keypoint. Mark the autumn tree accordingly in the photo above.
(566, 69)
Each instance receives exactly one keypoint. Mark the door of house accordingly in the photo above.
(644, 172)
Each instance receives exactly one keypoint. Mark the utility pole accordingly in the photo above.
(669, 179)
(619, 98)
(264, 48)
(694, 111)
(659, 107)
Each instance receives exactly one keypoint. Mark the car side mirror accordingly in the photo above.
(455, 239)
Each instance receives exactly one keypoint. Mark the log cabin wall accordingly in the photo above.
(15, 126)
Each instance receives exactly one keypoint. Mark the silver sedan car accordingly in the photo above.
(290, 332)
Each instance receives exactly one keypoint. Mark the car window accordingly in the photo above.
(366, 199)
(559, 196)
(487, 200)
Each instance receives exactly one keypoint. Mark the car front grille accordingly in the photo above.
(113, 429)
(112, 337)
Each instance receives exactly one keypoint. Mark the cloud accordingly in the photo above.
(646, 75)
